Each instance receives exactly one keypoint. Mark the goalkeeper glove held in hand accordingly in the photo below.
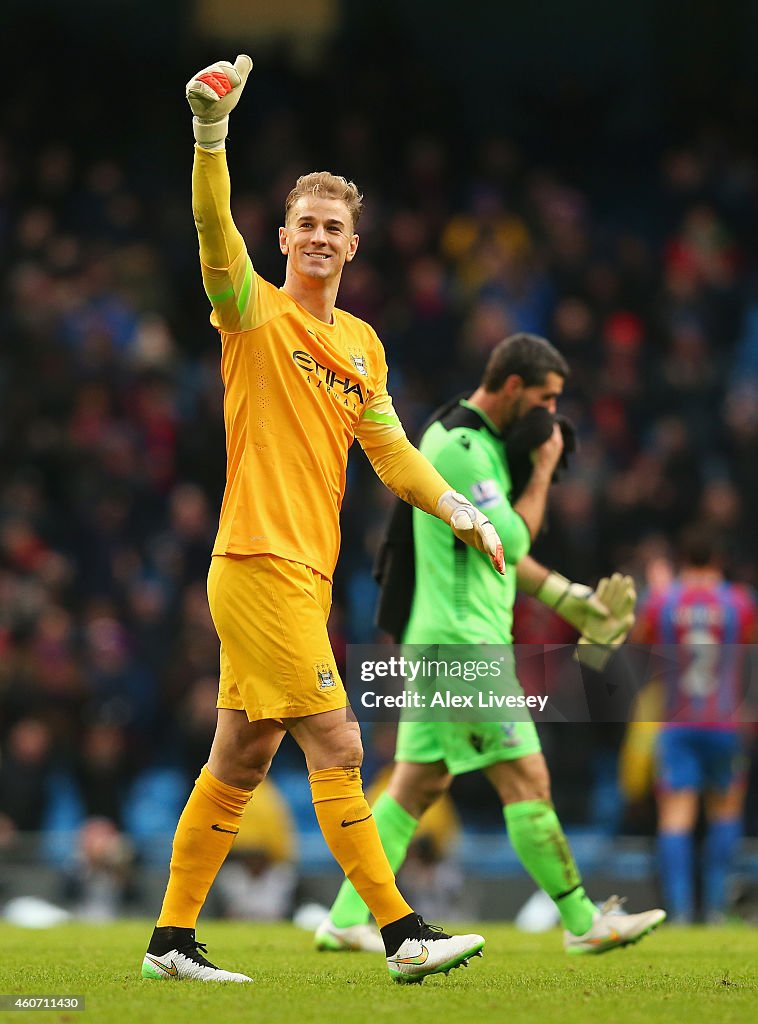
(603, 616)
(574, 602)
(601, 638)
(212, 94)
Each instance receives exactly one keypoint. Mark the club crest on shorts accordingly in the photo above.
(510, 737)
(325, 675)
(359, 363)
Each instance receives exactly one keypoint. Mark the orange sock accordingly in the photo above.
(351, 834)
(204, 835)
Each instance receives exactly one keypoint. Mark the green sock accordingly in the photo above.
(537, 837)
(396, 827)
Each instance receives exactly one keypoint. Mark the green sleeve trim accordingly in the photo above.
(221, 296)
(389, 419)
(247, 284)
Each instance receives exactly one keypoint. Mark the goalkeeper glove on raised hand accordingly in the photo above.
(602, 638)
(212, 94)
(469, 525)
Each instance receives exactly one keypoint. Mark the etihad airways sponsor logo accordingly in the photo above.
(324, 376)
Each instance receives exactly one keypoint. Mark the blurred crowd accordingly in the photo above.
(111, 425)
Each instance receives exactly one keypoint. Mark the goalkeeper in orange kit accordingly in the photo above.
(302, 379)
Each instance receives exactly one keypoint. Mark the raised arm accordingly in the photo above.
(533, 500)
(227, 271)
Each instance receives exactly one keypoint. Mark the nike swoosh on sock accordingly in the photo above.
(345, 824)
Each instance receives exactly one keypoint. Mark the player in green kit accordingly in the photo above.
(466, 444)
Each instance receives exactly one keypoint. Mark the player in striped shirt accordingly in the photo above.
(702, 623)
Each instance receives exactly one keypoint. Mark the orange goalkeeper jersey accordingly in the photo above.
(297, 391)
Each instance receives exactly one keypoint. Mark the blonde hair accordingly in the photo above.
(326, 185)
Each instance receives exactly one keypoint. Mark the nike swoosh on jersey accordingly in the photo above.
(230, 831)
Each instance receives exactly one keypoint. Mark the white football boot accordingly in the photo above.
(175, 955)
(356, 938)
(432, 951)
(613, 928)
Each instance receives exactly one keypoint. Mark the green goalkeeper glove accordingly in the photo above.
(603, 616)
(469, 525)
(603, 637)
(576, 603)
(212, 94)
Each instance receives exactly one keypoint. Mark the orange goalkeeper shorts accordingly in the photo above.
(276, 658)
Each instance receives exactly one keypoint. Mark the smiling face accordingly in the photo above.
(318, 238)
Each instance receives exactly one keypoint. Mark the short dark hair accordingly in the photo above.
(528, 355)
(700, 545)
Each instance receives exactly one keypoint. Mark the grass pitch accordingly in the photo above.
(674, 975)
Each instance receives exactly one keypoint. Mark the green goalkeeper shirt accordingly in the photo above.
(458, 596)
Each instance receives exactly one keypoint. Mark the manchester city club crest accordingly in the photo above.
(359, 363)
(326, 678)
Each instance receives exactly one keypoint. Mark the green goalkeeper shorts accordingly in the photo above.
(465, 746)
